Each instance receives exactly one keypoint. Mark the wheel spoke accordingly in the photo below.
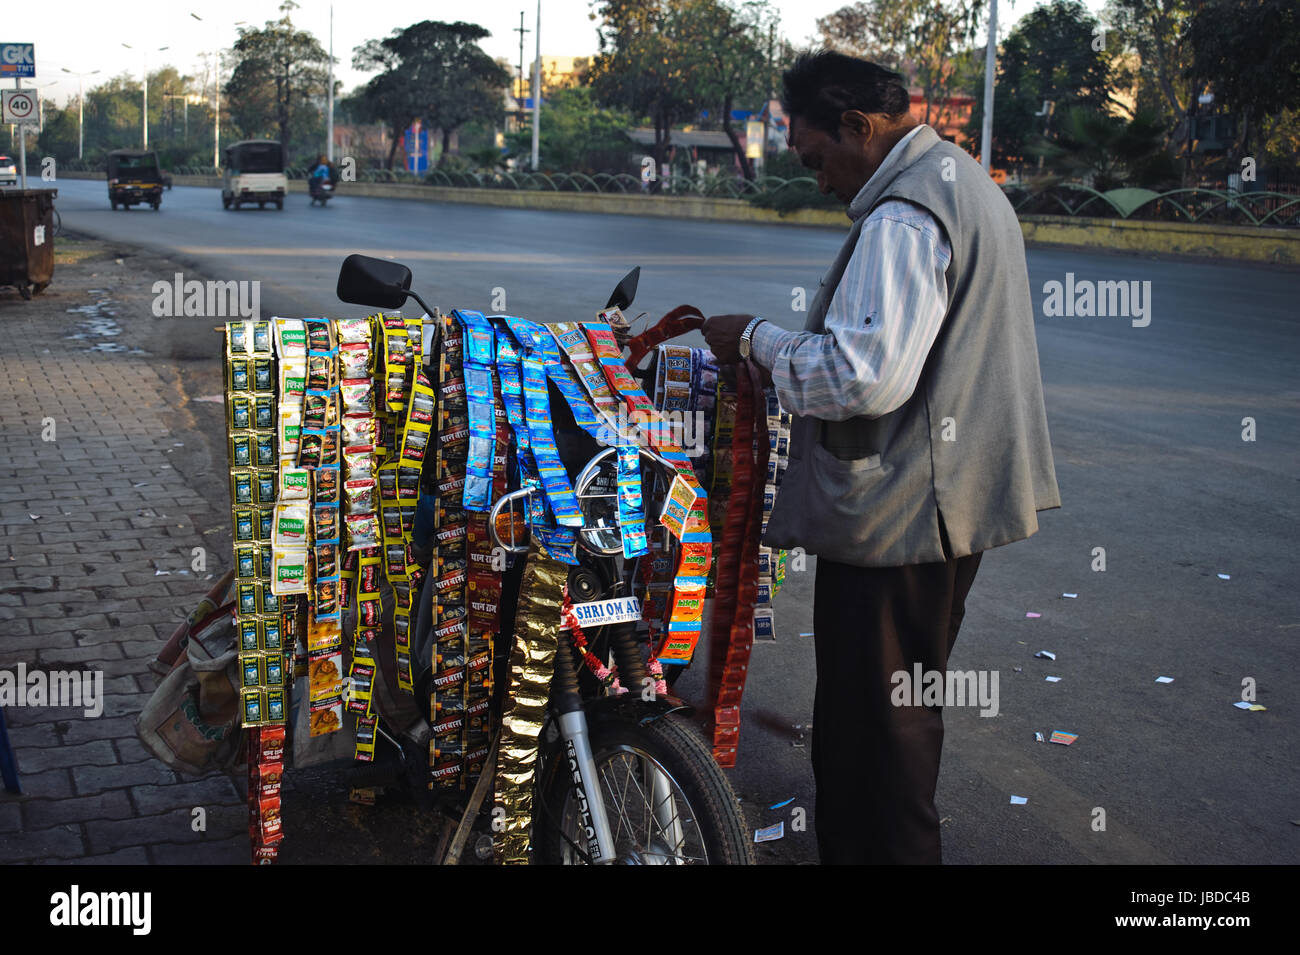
(639, 831)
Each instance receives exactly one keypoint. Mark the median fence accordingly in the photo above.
(1259, 226)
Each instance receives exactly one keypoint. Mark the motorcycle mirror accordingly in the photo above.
(625, 290)
(377, 283)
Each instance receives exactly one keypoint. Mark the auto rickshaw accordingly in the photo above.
(254, 172)
(134, 178)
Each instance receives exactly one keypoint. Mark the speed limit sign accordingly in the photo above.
(18, 106)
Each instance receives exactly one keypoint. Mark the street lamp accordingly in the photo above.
(216, 112)
(145, 118)
(81, 103)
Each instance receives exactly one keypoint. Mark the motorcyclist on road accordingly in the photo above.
(320, 174)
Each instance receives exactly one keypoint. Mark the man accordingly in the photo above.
(920, 438)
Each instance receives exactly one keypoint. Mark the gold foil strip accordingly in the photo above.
(532, 665)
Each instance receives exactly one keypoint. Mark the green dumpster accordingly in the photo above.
(27, 239)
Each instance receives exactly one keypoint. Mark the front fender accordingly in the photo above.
(630, 707)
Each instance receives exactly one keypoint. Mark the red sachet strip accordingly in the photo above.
(750, 467)
(682, 319)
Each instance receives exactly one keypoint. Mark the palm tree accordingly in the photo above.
(1108, 152)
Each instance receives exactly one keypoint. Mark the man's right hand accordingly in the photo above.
(723, 332)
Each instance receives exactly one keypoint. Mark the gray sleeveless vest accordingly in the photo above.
(971, 443)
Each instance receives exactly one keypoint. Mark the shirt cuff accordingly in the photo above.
(766, 343)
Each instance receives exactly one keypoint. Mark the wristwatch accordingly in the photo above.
(746, 337)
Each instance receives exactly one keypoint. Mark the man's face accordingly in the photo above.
(842, 167)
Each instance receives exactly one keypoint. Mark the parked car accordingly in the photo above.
(8, 171)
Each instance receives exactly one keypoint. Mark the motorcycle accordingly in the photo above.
(621, 778)
(320, 190)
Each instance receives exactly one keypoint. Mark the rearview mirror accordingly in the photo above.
(625, 291)
(377, 283)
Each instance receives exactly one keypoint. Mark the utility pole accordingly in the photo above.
(145, 117)
(216, 118)
(216, 115)
(771, 83)
(990, 64)
(537, 87)
(81, 103)
(22, 143)
(329, 131)
(519, 85)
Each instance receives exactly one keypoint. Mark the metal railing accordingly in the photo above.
(1193, 205)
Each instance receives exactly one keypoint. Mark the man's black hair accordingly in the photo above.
(821, 85)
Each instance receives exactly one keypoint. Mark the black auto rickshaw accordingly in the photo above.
(134, 177)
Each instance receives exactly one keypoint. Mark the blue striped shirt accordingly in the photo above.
(881, 323)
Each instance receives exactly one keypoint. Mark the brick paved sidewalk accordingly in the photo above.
(80, 584)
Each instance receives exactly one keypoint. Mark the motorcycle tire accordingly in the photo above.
(714, 831)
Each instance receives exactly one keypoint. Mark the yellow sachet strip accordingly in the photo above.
(532, 664)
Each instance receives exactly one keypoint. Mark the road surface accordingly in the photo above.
(1147, 425)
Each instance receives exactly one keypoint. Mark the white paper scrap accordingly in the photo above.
(1019, 800)
(1045, 655)
(1053, 679)
(1164, 679)
(771, 833)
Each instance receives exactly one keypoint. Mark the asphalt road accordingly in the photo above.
(1147, 426)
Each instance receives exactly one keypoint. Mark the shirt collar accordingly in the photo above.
(890, 159)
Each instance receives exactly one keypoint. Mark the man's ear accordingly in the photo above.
(857, 122)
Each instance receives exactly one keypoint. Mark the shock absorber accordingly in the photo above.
(566, 695)
(632, 671)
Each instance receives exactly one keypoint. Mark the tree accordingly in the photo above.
(575, 135)
(647, 64)
(1249, 53)
(1051, 55)
(733, 60)
(921, 39)
(1109, 152)
(435, 72)
(280, 76)
(1156, 31)
(856, 30)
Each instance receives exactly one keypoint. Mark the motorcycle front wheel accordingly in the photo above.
(667, 801)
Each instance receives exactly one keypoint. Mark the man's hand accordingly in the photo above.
(723, 332)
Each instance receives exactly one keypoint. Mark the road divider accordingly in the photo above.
(1273, 246)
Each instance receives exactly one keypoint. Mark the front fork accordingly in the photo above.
(580, 763)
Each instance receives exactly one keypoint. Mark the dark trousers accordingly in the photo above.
(877, 764)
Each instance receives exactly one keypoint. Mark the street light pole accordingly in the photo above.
(145, 118)
(216, 86)
(329, 131)
(81, 104)
(990, 63)
(537, 87)
(519, 87)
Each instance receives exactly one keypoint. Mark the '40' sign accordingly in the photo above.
(17, 59)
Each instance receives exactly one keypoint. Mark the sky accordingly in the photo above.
(150, 24)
